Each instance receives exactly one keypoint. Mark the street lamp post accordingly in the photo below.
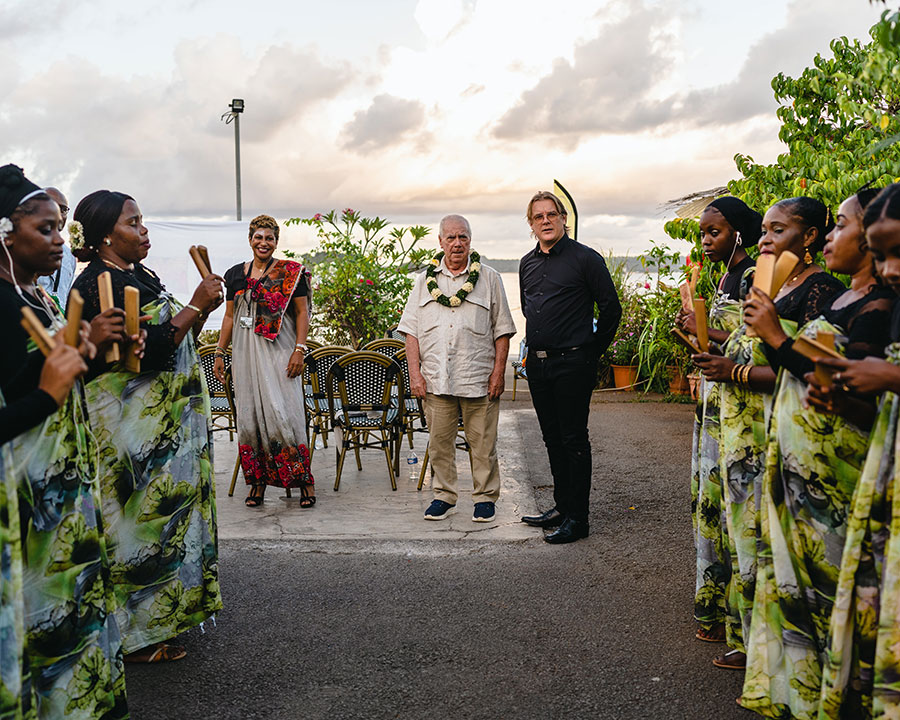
(234, 114)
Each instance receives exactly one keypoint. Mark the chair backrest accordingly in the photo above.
(317, 365)
(400, 359)
(217, 394)
(313, 344)
(385, 346)
(392, 333)
(365, 382)
(229, 393)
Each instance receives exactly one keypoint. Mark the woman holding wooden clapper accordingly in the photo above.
(727, 228)
(156, 474)
(797, 225)
(60, 640)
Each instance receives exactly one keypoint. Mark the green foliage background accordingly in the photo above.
(360, 275)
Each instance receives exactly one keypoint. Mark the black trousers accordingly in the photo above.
(561, 387)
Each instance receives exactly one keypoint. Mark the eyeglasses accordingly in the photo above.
(540, 217)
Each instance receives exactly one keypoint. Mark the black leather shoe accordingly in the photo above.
(570, 531)
(551, 518)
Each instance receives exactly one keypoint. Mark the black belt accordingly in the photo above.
(557, 351)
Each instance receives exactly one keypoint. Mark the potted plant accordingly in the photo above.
(622, 352)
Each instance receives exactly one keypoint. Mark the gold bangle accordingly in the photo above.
(746, 377)
(734, 370)
(194, 308)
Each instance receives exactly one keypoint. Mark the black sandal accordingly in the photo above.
(306, 501)
(255, 499)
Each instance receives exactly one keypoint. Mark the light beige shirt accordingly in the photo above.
(456, 345)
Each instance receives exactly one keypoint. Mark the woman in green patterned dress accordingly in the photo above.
(155, 449)
(861, 672)
(747, 381)
(812, 464)
(73, 653)
(727, 228)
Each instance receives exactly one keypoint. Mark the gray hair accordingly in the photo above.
(454, 218)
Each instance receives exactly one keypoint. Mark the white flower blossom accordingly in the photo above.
(455, 301)
(467, 287)
(436, 293)
(76, 235)
(435, 262)
(475, 267)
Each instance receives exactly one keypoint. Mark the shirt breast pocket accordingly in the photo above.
(479, 316)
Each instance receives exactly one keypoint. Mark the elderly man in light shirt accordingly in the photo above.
(457, 325)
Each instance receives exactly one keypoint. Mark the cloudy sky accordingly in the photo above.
(408, 109)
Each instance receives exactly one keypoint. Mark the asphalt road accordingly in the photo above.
(447, 629)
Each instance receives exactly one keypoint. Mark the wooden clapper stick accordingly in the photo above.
(104, 285)
(132, 327)
(73, 318)
(822, 346)
(36, 330)
(771, 275)
(200, 257)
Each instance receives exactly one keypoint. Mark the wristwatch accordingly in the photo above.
(301, 346)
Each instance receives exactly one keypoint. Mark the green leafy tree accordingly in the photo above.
(839, 122)
(361, 274)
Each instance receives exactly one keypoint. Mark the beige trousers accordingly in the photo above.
(479, 416)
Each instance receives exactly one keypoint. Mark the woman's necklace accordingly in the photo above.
(110, 263)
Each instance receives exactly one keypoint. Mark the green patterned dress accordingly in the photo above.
(813, 461)
(742, 444)
(157, 479)
(12, 601)
(73, 653)
(861, 673)
(707, 511)
(744, 419)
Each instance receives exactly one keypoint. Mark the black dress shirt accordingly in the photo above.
(558, 292)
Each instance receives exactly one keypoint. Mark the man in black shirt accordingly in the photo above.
(560, 281)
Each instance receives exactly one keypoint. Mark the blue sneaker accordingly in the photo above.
(439, 510)
(484, 512)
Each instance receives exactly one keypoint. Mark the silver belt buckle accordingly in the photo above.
(541, 353)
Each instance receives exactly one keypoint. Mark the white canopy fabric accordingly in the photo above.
(169, 258)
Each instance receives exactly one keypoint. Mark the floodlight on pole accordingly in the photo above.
(237, 107)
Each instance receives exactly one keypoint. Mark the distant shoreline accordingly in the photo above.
(506, 265)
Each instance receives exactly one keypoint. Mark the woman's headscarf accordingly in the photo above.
(741, 217)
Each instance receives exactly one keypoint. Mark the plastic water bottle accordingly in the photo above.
(412, 463)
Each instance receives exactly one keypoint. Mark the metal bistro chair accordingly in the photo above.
(393, 333)
(313, 345)
(229, 394)
(368, 386)
(315, 395)
(222, 416)
(385, 346)
(518, 367)
(413, 409)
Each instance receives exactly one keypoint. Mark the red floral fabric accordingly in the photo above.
(287, 467)
(273, 292)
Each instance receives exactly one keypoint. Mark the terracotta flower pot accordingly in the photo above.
(624, 376)
(679, 384)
